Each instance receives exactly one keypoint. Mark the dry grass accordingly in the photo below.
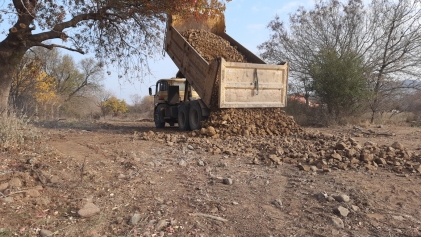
(15, 131)
(387, 118)
(319, 117)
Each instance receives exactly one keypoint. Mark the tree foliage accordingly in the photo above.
(47, 78)
(125, 32)
(114, 106)
(31, 85)
(339, 81)
(385, 34)
(72, 78)
(44, 88)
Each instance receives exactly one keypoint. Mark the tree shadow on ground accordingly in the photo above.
(120, 127)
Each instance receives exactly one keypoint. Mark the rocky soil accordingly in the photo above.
(310, 151)
(130, 179)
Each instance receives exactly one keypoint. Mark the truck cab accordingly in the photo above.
(169, 95)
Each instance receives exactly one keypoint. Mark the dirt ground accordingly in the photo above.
(121, 179)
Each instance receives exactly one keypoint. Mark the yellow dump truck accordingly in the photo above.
(190, 98)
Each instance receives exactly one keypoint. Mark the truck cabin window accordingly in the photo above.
(162, 86)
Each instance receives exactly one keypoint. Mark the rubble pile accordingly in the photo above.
(248, 122)
(314, 152)
(211, 46)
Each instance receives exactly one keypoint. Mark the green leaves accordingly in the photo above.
(339, 80)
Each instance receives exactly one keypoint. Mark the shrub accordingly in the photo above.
(114, 106)
(15, 131)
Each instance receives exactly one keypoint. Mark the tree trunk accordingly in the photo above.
(5, 84)
(307, 97)
(372, 117)
(10, 57)
(373, 108)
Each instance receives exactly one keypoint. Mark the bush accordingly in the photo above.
(142, 108)
(339, 80)
(16, 132)
(114, 106)
(308, 116)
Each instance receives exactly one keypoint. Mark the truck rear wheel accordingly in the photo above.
(183, 117)
(159, 116)
(195, 115)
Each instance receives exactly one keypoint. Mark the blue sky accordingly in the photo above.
(245, 21)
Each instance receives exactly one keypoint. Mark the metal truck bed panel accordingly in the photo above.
(187, 59)
(247, 85)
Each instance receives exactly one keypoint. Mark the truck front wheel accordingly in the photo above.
(159, 116)
(195, 115)
(183, 117)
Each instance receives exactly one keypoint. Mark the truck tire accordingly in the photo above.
(159, 116)
(195, 116)
(183, 117)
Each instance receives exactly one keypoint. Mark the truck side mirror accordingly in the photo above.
(150, 91)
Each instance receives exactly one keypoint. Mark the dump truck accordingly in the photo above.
(201, 86)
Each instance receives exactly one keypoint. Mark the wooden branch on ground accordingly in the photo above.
(39, 176)
(373, 133)
(210, 216)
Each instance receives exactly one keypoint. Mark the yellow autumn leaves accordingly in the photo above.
(114, 106)
(44, 88)
(35, 82)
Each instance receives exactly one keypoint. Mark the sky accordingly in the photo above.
(246, 21)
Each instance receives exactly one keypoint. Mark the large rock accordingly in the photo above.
(337, 222)
(161, 224)
(398, 145)
(89, 210)
(380, 161)
(366, 156)
(15, 182)
(350, 152)
(46, 233)
(418, 168)
(135, 219)
(304, 167)
(33, 193)
(342, 198)
(336, 156)
(4, 186)
(341, 211)
(340, 146)
(7, 200)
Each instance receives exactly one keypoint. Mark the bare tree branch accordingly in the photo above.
(51, 46)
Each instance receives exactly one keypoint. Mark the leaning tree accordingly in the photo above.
(124, 32)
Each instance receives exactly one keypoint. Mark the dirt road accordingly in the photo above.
(112, 180)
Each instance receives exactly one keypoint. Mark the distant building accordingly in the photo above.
(300, 98)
